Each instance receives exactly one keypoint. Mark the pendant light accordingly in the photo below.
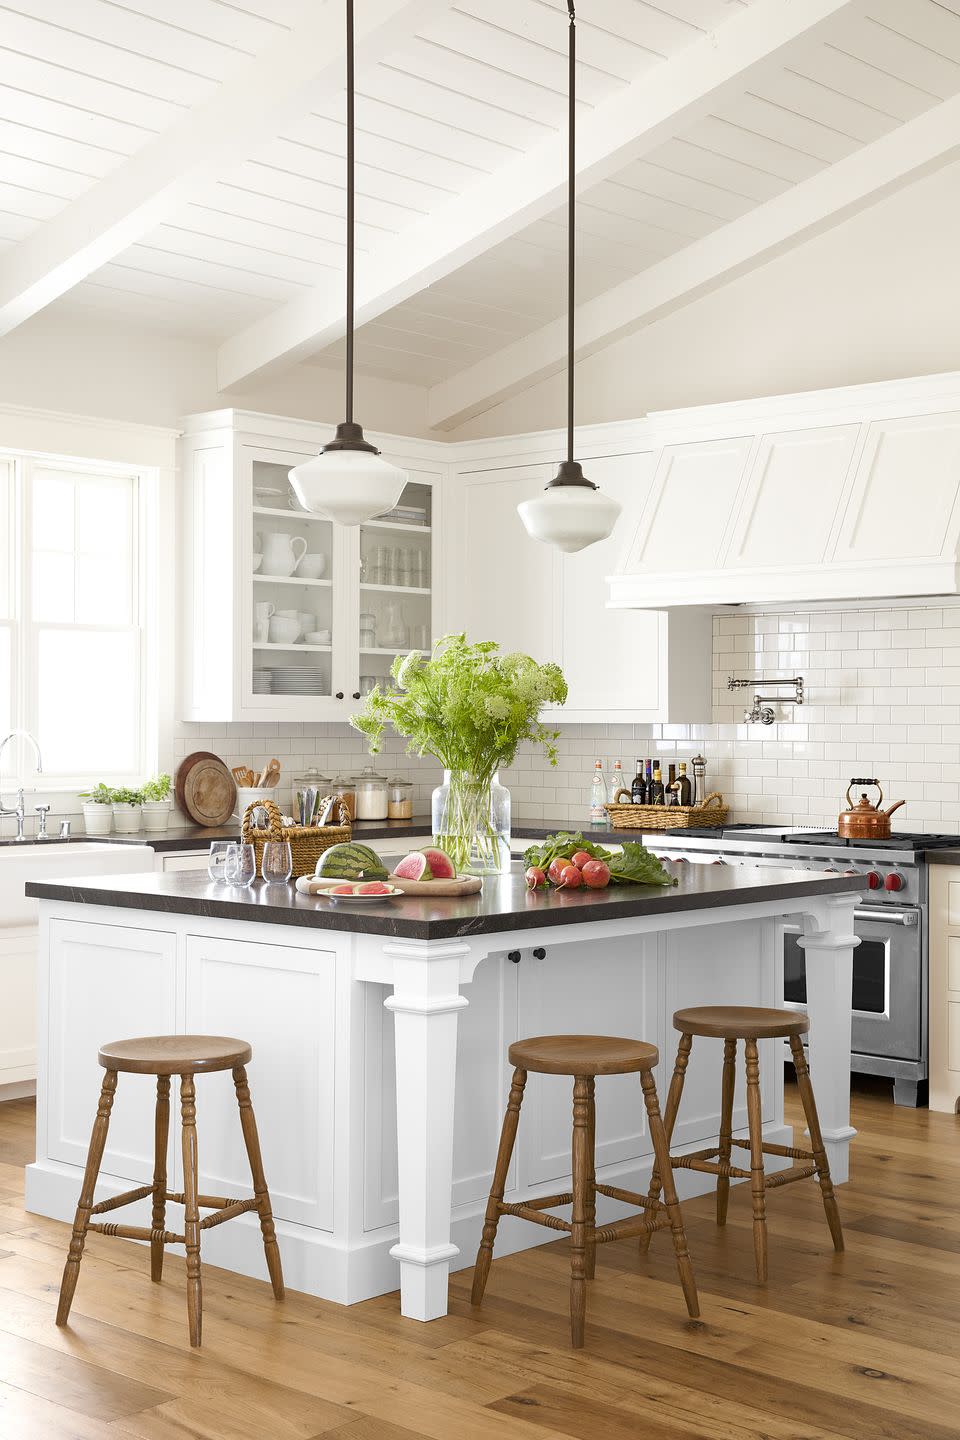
(348, 481)
(572, 513)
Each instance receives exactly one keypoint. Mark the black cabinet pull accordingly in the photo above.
(540, 953)
(339, 695)
(514, 955)
(356, 694)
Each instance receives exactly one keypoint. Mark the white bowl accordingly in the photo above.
(313, 566)
(318, 637)
(257, 560)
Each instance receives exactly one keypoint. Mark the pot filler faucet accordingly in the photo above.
(18, 808)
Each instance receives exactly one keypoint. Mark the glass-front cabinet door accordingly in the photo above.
(396, 583)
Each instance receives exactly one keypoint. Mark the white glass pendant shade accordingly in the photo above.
(571, 517)
(348, 486)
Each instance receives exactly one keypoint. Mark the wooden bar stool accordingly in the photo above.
(731, 1023)
(163, 1056)
(585, 1057)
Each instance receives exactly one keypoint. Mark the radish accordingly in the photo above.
(581, 858)
(570, 877)
(596, 874)
(557, 868)
(535, 877)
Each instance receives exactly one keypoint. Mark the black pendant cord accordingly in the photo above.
(571, 225)
(348, 409)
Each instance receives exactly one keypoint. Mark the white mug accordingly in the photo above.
(262, 612)
(293, 616)
(313, 566)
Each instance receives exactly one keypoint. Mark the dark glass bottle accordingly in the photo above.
(670, 788)
(638, 792)
(684, 786)
(649, 781)
(656, 795)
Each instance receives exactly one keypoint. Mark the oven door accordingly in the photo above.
(887, 981)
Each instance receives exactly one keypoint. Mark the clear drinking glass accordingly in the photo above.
(218, 860)
(276, 867)
(241, 865)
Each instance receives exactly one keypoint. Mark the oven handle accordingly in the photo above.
(892, 917)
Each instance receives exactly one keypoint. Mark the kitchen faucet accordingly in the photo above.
(18, 809)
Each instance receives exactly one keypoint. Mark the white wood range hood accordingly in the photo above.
(837, 494)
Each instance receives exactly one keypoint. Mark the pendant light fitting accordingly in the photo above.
(348, 481)
(572, 513)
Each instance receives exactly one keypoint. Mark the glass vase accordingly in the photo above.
(471, 822)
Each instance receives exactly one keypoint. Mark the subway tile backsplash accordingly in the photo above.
(882, 698)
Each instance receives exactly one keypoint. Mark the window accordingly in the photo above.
(73, 639)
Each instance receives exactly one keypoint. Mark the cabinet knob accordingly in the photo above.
(540, 953)
(514, 955)
(339, 695)
(356, 694)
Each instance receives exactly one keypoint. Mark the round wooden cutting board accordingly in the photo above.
(205, 789)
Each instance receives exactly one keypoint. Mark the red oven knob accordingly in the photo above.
(874, 879)
(893, 881)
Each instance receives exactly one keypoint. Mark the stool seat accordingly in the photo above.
(583, 1055)
(740, 1022)
(175, 1054)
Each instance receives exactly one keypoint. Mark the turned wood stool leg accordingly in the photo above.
(191, 1215)
(590, 1263)
(161, 1132)
(831, 1209)
(508, 1135)
(728, 1086)
(248, 1124)
(661, 1150)
(578, 1219)
(98, 1140)
(757, 1186)
(674, 1095)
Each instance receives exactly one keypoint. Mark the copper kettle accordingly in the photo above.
(864, 821)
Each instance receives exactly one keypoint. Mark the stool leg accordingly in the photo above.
(728, 1085)
(248, 1123)
(590, 1262)
(98, 1140)
(161, 1132)
(757, 1187)
(191, 1215)
(661, 1150)
(508, 1135)
(830, 1206)
(582, 1086)
(669, 1120)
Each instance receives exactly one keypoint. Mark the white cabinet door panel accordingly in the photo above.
(18, 1012)
(904, 497)
(684, 524)
(608, 989)
(106, 983)
(282, 1000)
(795, 487)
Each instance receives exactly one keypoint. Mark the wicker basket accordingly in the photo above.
(307, 842)
(710, 814)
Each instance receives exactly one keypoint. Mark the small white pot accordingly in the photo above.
(156, 816)
(126, 819)
(97, 819)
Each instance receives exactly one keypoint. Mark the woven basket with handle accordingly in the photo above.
(307, 842)
(711, 813)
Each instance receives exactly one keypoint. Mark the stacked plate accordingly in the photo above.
(297, 680)
(261, 682)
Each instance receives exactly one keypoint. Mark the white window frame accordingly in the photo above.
(26, 629)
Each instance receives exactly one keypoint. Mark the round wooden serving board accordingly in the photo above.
(462, 885)
(205, 789)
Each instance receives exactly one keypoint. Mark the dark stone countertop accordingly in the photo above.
(504, 904)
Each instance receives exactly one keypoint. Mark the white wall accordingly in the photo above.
(875, 299)
(75, 360)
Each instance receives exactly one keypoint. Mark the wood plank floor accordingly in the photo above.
(862, 1345)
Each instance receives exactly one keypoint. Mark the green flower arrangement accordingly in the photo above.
(471, 708)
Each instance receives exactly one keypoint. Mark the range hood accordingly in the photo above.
(868, 508)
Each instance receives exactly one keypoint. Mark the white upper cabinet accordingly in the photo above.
(683, 524)
(285, 615)
(904, 501)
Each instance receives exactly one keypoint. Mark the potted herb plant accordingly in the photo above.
(472, 708)
(157, 804)
(127, 810)
(98, 810)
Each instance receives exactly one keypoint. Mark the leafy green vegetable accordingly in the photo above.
(100, 795)
(157, 789)
(634, 865)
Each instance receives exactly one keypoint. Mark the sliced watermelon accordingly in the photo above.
(374, 887)
(441, 865)
(414, 866)
(342, 890)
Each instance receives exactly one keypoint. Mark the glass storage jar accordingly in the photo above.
(371, 793)
(312, 779)
(399, 799)
(346, 791)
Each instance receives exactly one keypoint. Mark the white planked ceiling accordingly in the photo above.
(87, 84)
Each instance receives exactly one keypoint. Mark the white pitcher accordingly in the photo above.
(280, 553)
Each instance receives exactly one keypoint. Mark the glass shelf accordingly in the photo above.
(392, 525)
(291, 580)
(294, 649)
(281, 513)
(394, 589)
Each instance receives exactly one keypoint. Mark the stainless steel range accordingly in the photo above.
(889, 965)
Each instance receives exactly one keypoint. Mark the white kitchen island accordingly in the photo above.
(380, 1037)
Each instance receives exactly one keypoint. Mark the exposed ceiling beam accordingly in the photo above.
(252, 105)
(641, 116)
(904, 155)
